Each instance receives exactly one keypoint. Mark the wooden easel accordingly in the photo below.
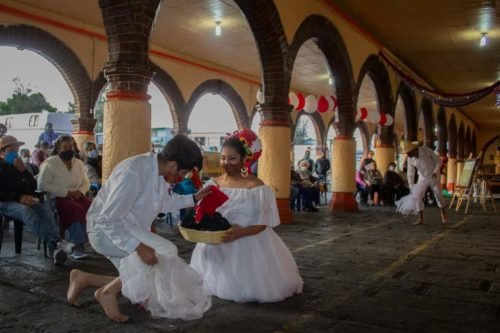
(463, 188)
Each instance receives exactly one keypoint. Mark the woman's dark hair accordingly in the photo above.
(236, 144)
(392, 163)
(57, 144)
(184, 151)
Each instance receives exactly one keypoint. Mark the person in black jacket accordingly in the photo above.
(321, 167)
(18, 199)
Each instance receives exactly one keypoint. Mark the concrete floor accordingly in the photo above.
(371, 271)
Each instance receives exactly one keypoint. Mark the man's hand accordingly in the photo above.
(26, 200)
(18, 163)
(202, 193)
(146, 254)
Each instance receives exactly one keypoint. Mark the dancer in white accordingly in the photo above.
(254, 264)
(118, 225)
(428, 165)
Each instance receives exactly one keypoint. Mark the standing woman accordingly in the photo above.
(64, 177)
(253, 264)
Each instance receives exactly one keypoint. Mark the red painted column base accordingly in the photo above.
(343, 202)
(285, 212)
(450, 187)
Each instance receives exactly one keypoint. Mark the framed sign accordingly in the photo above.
(467, 175)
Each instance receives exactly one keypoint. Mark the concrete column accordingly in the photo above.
(127, 128)
(460, 168)
(443, 175)
(384, 155)
(343, 174)
(83, 130)
(81, 137)
(452, 171)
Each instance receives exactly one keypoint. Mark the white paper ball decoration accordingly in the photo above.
(311, 104)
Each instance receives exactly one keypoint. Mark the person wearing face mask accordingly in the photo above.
(92, 165)
(119, 224)
(253, 264)
(64, 177)
(48, 135)
(19, 201)
(40, 153)
(26, 158)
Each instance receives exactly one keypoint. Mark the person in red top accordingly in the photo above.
(40, 154)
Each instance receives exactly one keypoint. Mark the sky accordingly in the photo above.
(210, 114)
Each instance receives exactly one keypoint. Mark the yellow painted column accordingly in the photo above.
(452, 171)
(274, 164)
(460, 168)
(343, 174)
(384, 155)
(83, 136)
(127, 127)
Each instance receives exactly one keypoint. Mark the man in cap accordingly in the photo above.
(428, 165)
(18, 200)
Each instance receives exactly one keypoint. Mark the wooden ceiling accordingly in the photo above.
(438, 39)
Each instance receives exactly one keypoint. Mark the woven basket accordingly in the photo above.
(202, 236)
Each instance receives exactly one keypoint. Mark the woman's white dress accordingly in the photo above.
(254, 268)
(407, 205)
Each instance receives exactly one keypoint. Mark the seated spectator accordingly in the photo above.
(374, 180)
(394, 188)
(309, 180)
(26, 158)
(40, 153)
(367, 160)
(92, 165)
(64, 177)
(362, 186)
(305, 191)
(18, 200)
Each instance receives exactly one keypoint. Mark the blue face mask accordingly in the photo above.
(11, 156)
(93, 154)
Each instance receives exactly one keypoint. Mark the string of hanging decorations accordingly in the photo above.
(310, 104)
(440, 98)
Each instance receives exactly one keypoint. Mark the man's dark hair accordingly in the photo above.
(184, 151)
(236, 144)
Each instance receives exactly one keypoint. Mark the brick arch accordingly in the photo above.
(460, 141)
(411, 123)
(330, 42)
(374, 68)
(426, 109)
(467, 143)
(442, 131)
(170, 90)
(319, 127)
(222, 88)
(452, 137)
(264, 21)
(167, 86)
(58, 54)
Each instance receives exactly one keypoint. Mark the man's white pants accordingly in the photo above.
(420, 188)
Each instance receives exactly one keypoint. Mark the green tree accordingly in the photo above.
(99, 113)
(23, 100)
(71, 107)
(301, 133)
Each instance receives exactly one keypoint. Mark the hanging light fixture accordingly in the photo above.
(218, 29)
(484, 39)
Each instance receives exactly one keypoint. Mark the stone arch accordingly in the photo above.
(62, 57)
(330, 42)
(467, 143)
(452, 137)
(484, 148)
(442, 131)
(319, 128)
(411, 123)
(375, 69)
(426, 109)
(460, 141)
(265, 23)
(226, 91)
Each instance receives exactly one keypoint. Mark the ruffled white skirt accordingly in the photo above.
(407, 205)
(169, 289)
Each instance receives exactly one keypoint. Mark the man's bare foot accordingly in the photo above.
(76, 285)
(109, 303)
(418, 222)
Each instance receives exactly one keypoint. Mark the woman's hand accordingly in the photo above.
(236, 232)
(147, 254)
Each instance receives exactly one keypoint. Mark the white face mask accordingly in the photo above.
(92, 154)
(26, 160)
